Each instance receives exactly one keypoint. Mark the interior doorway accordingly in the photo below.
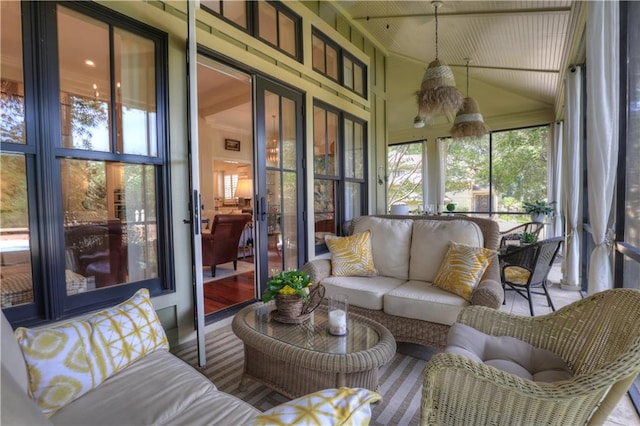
(227, 179)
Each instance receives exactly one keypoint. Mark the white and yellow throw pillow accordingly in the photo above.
(68, 360)
(328, 407)
(351, 256)
(462, 268)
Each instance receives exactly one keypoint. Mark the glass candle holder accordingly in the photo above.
(338, 308)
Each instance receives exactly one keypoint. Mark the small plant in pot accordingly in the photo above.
(538, 209)
(528, 238)
(294, 300)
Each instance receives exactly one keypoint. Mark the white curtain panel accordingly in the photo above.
(554, 177)
(603, 42)
(441, 147)
(572, 179)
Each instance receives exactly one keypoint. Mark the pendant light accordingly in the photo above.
(438, 93)
(469, 121)
(273, 153)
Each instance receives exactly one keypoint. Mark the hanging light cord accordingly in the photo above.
(467, 78)
(436, 7)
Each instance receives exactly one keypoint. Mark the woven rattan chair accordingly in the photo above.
(598, 337)
(514, 233)
(524, 268)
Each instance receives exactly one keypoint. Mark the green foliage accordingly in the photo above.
(519, 169)
(289, 282)
(405, 174)
(528, 238)
(538, 207)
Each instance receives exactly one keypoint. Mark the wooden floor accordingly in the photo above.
(227, 292)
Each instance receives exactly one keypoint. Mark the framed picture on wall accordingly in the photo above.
(231, 145)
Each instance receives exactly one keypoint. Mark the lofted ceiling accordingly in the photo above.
(519, 53)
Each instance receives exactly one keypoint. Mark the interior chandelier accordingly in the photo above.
(438, 93)
(469, 121)
(273, 153)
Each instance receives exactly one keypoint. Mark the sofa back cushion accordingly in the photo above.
(390, 243)
(430, 243)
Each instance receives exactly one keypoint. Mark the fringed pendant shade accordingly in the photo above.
(438, 93)
(469, 121)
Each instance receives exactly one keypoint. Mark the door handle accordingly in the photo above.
(263, 209)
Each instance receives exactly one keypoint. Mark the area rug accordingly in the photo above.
(226, 270)
(400, 379)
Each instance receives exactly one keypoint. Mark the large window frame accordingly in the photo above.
(349, 174)
(45, 153)
(355, 79)
(490, 196)
(253, 22)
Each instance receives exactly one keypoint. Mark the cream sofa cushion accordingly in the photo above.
(430, 243)
(17, 407)
(366, 292)
(423, 301)
(157, 389)
(391, 244)
(11, 355)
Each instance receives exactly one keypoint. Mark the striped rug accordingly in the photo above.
(400, 379)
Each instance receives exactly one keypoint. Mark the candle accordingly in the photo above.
(337, 322)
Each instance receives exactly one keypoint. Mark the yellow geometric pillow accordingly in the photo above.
(351, 256)
(66, 361)
(328, 407)
(516, 274)
(462, 268)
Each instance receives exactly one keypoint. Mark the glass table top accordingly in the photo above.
(312, 334)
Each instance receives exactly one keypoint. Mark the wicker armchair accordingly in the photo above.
(514, 233)
(598, 337)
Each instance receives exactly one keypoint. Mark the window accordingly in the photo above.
(269, 21)
(230, 185)
(339, 170)
(329, 59)
(406, 175)
(497, 173)
(627, 253)
(90, 218)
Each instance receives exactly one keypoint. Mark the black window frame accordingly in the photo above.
(342, 53)
(341, 179)
(253, 23)
(44, 152)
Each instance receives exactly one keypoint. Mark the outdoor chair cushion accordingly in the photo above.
(507, 354)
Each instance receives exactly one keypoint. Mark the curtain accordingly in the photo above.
(572, 179)
(441, 147)
(602, 132)
(554, 177)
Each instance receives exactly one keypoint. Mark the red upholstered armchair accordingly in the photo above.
(221, 245)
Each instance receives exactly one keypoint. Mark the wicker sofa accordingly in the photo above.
(401, 296)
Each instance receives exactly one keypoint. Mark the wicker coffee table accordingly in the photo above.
(295, 360)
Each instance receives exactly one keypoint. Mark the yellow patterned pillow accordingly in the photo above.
(66, 361)
(516, 274)
(351, 256)
(462, 268)
(328, 407)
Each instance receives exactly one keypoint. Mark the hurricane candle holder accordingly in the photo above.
(338, 308)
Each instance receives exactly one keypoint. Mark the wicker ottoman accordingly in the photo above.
(295, 360)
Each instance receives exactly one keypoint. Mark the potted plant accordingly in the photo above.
(528, 238)
(294, 301)
(288, 283)
(538, 209)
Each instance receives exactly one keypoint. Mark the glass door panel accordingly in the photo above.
(281, 229)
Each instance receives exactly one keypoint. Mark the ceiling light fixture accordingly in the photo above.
(89, 63)
(438, 93)
(469, 121)
(418, 122)
(273, 153)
